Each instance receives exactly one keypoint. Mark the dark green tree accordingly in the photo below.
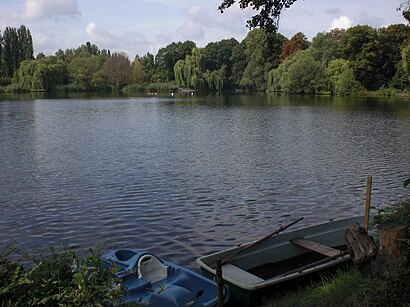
(239, 63)
(363, 49)
(17, 46)
(10, 51)
(167, 57)
(327, 46)
(392, 41)
(25, 44)
(148, 67)
(218, 56)
(262, 52)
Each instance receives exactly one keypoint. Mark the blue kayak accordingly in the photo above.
(151, 281)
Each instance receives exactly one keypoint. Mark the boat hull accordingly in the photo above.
(277, 262)
(153, 282)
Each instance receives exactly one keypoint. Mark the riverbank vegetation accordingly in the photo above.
(57, 278)
(359, 61)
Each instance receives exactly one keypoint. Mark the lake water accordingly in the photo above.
(190, 175)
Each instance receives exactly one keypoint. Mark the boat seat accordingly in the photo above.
(151, 269)
(235, 273)
(316, 247)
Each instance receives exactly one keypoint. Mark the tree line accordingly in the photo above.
(342, 62)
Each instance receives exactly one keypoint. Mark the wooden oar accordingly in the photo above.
(229, 257)
(313, 264)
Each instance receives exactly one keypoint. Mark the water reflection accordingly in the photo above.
(185, 176)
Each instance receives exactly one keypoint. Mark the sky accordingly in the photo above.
(141, 26)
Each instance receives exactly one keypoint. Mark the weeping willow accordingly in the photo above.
(191, 73)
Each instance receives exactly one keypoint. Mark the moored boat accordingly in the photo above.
(254, 270)
(154, 282)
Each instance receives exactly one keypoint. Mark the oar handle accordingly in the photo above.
(276, 231)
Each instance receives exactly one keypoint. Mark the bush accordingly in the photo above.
(56, 279)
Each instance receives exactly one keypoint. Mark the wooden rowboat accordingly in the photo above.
(257, 269)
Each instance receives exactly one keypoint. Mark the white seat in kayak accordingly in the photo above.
(151, 269)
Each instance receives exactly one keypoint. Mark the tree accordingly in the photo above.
(17, 46)
(25, 44)
(2, 68)
(10, 51)
(327, 46)
(167, 57)
(341, 78)
(404, 8)
(83, 71)
(218, 56)
(42, 74)
(297, 42)
(269, 11)
(299, 73)
(191, 72)
(148, 67)
(137, 73)
(392, 41)
(263, 54)
(239, 63)
(363, 49)
(117, 70)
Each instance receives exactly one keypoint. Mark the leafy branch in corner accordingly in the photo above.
(269, 11)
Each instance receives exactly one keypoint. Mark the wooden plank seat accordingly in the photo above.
(242, 276)
(316, 247)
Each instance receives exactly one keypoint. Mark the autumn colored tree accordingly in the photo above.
(298, 41)
(137, 73)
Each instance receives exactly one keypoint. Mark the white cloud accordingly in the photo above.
(191, 29)
(99, 36)
(343, 22)
(129, 42)
(41, 9)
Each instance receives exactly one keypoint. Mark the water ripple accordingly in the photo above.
(184, 179)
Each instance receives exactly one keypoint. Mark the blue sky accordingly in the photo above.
(140, 26)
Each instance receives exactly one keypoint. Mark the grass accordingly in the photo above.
(343, 289)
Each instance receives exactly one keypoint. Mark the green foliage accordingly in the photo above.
(191, 73)
(299, 73)
(84, 71)
(341, 78)
(43, 74)
(262, 51)
(56, 279)
(167, 57)
(327, 46)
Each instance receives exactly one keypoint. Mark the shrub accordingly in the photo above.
(56, 279)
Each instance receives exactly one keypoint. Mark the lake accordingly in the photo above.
(183, 176)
